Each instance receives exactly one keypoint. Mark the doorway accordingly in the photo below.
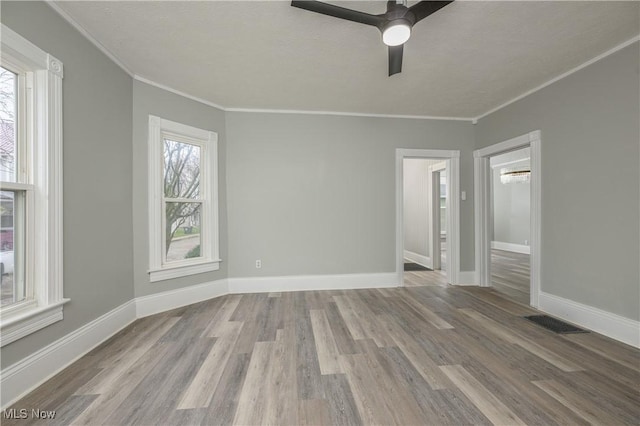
(430, 241)
(510, 224)
(511, 266)
(439, 215)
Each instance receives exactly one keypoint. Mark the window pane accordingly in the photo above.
(181, 170)
(182, 231)
(11, 220)
(8, 151)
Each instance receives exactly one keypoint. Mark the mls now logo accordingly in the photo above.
(23, 413)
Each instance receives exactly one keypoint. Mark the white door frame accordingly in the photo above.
(434, 223)
(452, 158)
(482, 210)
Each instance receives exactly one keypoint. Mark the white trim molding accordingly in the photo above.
(482, 208)
(21, 378)
(467, 278)
(43, 179)
(425, 261)
(207, 141)
(611, 325)
(167, 300)
(312, 282)
(30, 320)
(346, 113)
(515, 248)
(452, 160)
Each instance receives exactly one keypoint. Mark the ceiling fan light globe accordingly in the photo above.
(395, 35)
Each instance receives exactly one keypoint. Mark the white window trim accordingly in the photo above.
(208, 141)
(45, 239)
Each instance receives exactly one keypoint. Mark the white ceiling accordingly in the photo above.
(462, 61)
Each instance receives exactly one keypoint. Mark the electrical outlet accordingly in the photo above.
(526, 242)
(258, 264)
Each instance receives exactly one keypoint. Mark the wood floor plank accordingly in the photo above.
(251, 407)
(216, 323)
(269, 322)
(369, 322)
(199, 393)
(224, 403)
(111, 398)
(400, 401)
(350, 317)
(282, 382)
(420, 359)
(339, 396)
(71, 409)
(309, 384)
(157, 395)
(326, 347)
(427, 314)
(112, 372)
(343, 338)
(439, 407)
(484, 400)
(581, 407)
(505, 334)
(372, 407)
(617, 352)
(313, 412)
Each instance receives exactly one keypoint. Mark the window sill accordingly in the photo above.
(168, 273)
(29, 321)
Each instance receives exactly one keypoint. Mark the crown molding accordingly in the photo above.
(88, 36)
(344, 113)
(178, 92)
(560, 77)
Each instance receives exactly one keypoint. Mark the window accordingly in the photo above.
(30, 188)
(183, 200)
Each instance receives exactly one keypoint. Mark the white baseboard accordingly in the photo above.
(467, 278)
(167, 300)
(22, 377)
(611, 325)
(516, 248)
(312, 282)
(419, 259)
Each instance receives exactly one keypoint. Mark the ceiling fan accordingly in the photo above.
(395, 25)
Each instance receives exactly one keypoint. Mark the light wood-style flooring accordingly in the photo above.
(416, 355)
(510, 274)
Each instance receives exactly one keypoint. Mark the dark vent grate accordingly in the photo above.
(555, 324)
(415, 267)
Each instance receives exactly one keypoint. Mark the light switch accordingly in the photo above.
(464, 195)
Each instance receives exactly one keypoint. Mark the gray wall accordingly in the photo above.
(149, 100)
(98, 266)
(511, 211)
(417, 204)
(590, 126)
(315, 194)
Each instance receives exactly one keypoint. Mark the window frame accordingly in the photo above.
(39, 100)
(159, 130)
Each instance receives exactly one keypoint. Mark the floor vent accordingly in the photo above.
(554, 324)
(415, 267)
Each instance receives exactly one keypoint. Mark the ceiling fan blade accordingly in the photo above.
(339, 12)
(425, 8)
(395, 59)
